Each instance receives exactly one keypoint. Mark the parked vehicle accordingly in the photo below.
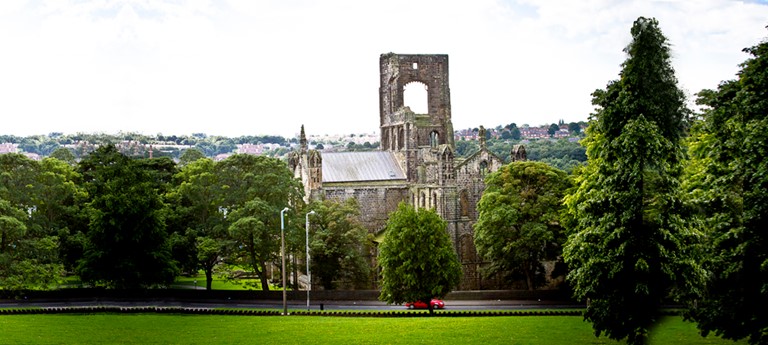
(436, 304)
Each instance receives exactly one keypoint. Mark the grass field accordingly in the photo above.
(212, 329)
(217, 284)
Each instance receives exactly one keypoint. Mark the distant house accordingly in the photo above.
(250, 149)
(9, 148)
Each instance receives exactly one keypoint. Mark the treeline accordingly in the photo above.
(563, 153)
(134, 144)
(125, 222)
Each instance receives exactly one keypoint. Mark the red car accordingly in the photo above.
(436, 304)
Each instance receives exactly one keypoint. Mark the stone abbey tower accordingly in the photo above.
(416, 161)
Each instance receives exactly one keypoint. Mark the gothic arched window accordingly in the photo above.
(434, 139)
(483, 168)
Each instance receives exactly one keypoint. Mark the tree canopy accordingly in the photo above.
(629, 248)
(519, 225)
(339, 245)
(202, 232)
(127, 244)
(727, 186)
(256, 189)
(34, 206)
(417, 258)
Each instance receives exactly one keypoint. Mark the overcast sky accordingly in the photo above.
(248, 67)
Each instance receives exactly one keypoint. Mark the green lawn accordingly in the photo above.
(212, 329)
(217, 284)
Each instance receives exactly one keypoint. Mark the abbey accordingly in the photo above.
(416, 161)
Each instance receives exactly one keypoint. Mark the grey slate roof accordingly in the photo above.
(361, 166)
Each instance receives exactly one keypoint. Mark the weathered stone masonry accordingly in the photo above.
(416, 163)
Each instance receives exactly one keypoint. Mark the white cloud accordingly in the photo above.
(266, 67)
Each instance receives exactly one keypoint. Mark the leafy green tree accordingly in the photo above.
(727, 185)
(18, 176)
(65, 155)
(161, 171)
(30, 144)
(417, 258)
(339, 245)
(256, 189)
(58, 214)
(189, 156)
(629, 247)
(515, 133)
(553, 128)
(464, 148)
(47, 146)
(560, 153)
(206, 147)
(574, 128)
(29, 245)
(199, 196)
(127, 244)
(12, 231)
(225, 145)
(518, 225)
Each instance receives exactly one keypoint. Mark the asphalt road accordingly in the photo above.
(293, 304)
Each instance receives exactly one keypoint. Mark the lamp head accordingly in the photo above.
(311, 212)
(286, 209)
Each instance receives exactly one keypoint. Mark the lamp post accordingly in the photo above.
(309, 275)
(282, 256)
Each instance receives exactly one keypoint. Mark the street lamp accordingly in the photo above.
(309, 275)
(282, 256)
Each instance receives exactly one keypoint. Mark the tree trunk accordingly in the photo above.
(295, 273)
(208, 278)
(529, 279)
(263, 277)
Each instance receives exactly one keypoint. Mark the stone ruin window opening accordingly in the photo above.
(483, 168)
(446, 166)
(416, 97)
(464, 203)
(434, 139)
(415, 65)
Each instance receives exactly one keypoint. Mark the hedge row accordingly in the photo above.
(462, 313)
(255, 312)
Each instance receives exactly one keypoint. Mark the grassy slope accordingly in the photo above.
(185, 329)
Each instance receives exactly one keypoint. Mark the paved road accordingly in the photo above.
(269, 304)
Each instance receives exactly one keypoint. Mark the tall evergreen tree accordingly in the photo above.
(629, 248)
(728, 186)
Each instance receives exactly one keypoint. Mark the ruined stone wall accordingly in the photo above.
(398, 70)
(470, 175)
(376, 203)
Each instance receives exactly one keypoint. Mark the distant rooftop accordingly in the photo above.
(361, 166)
